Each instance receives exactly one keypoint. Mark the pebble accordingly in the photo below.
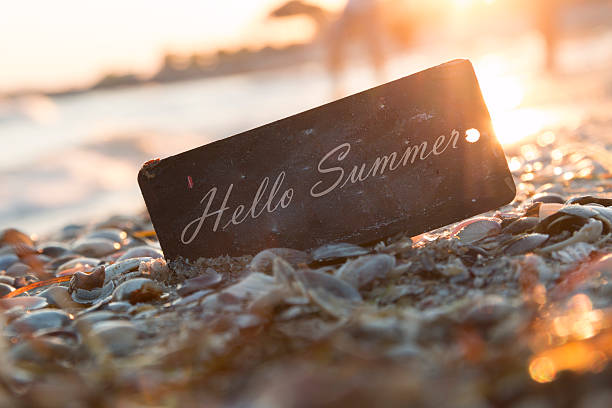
(18, 269)
(42, 350)
(548, 198)
(111, 234)
(119, 337)
(95, 247)
(54, 249)
(7, 260)
(15, 238)
(86, 321)
(41, 319)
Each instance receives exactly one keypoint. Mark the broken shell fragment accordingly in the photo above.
(208, 279)
(362, 271)
(526, 243)
(138, 290)
(262, 262)
(331, 252)
(477, 229)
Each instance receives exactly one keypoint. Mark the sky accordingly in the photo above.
(56, 44)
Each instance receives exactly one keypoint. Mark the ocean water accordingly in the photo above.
(75, 158)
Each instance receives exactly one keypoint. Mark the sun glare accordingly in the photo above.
(504, 94)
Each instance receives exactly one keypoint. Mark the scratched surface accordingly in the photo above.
(299, 180)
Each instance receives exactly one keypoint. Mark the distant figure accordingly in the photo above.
(296, 8)
(360, 22)
(547, 22)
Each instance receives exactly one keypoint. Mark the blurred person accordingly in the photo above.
(547, 20)
(360, 22)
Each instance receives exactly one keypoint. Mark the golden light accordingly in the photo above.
(472, 135)
(542, 370)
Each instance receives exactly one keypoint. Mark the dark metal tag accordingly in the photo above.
(408, 156)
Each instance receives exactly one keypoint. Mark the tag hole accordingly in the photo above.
(472, 135)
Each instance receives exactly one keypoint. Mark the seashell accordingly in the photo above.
(5, 289)
(547, 198)
(339, 251)
(14, 238)
(117, 269)
(88, 281)
(521, 225)
(143, 251)
(333, 295)
(284, 273)
(85, 322)
(208, 279)
(8, 280)
(573, 254)
(111, 234)
(18, 269)
(573, 217)
(568, 218)
(118, 307)
(192, 298)
(137, 290)
(582, 200)
(40, 319)
(253, 286)
(118, 337)
(59, 296)
(95, 247)
(590, 232)
(25, 302)
(78, 262)
(85, 296)
(7, 260)
(362, 271)
(157, 269)
(525, 243)
(262, 262)
(475, 229)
